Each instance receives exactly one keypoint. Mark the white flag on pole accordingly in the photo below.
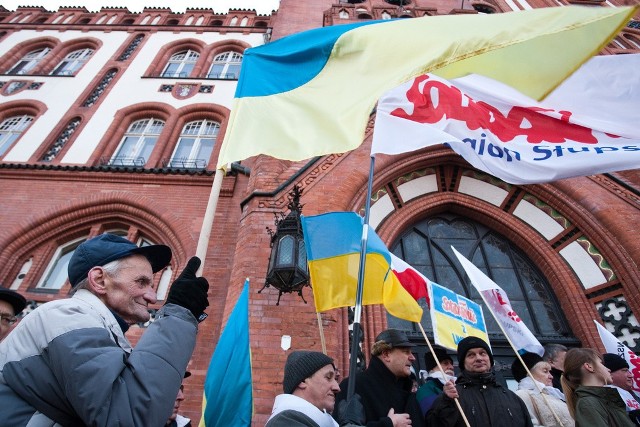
(499, 305)
(588, 125)
(615, 346)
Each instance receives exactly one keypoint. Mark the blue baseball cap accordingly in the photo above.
(105, 248)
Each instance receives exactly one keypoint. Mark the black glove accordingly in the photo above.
(350, 412)
(190, 291)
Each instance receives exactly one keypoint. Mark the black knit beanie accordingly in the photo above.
(614, 362)
(467, 344)
(301, 365)
(530, 360)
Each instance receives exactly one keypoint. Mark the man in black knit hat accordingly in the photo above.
(309, 387)
(483, 400)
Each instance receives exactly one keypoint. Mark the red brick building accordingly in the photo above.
(112, 121)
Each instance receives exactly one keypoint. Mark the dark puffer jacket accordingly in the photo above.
(484, 402)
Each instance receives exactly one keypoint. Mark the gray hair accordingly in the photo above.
(552, 350)
(111, 268)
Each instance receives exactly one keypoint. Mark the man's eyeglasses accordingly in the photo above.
(8, 319)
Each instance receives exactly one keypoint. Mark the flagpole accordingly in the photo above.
(444, 374)
(321, 329)
(544, 397)
(209, 214)
(359, 290)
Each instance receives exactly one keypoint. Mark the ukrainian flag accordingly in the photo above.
(333, 241)
(311, 93)
(228, 392)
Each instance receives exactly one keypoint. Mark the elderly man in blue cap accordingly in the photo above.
(69, 363)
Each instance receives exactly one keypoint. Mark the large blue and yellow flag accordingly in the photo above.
(332, 241)
(311, 93)
(228, 393)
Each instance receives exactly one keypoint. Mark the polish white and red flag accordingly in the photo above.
(414, 282)
(588, 125)
(615, 346)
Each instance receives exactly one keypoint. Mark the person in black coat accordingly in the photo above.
(385, 386)
(483, 400)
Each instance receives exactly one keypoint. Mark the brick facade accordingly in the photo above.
(46, 204)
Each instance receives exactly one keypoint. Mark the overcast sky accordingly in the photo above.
(220, 6)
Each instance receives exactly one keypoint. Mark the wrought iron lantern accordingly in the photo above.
(288, 271)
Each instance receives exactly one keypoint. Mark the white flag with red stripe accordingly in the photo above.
(588, 125)
(499, 305)
(615, 346)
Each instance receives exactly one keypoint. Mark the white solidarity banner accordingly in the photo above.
(588, 125)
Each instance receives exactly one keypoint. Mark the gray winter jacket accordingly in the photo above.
(68, 363)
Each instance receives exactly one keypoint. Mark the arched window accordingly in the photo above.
(226, 66)
(181, 64)
(233, 21)
(343, 14)
(195, 145)
(138, 142)
(72, 62)
(427, 246)
(29, 61)
(11, 129)
(56, 275)
(244, 22)
(385, 15)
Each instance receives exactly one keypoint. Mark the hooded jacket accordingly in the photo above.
(484, 402)
(69, 363)
(380, 391)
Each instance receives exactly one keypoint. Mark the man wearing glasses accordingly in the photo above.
(11, 304)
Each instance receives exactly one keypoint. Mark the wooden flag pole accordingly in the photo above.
(321, 329)
(209, 214)
(444, 374)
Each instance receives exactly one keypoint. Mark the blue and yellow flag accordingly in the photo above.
(228, 392)
(311, 93)
(332, 241)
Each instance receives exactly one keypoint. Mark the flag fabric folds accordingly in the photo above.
(498, 303)
(311, 93)
(455, 317)
(513, 137)
(615, 346)
(332, 241)
(228, 392)
(411, 279)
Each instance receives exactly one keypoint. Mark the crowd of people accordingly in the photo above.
(51, 360)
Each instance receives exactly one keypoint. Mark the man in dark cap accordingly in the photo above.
(622, 378)
(310, 387)
(11, 305)
(385, 386)
(432, 388)
(69, 363)
(483, 400)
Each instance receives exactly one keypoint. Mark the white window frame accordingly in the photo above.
(226, 60)
(11, 130)
(198, 130)
(185, 59)
(142, 131)
(30, 61)
(61, 251)
(70, 65)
